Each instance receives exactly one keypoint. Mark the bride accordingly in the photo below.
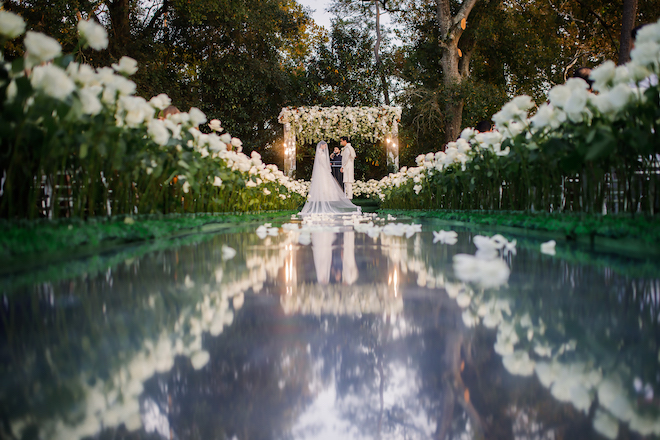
(325, 195)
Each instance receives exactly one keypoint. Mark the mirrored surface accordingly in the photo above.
(359, 327)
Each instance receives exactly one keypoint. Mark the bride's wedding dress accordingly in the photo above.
(325, 195)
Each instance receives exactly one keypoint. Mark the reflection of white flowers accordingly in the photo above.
(199, 359)
(548, 247)
(228, 253)
(606, 425)
(485, 273)
(519, 363)
(445, 237)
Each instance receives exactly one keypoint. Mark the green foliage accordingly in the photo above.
(343, 69)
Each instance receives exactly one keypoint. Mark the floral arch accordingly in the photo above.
(309, 124)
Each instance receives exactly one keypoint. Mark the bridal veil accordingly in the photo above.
(325, 194)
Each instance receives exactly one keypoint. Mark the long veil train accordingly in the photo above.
(325, 194)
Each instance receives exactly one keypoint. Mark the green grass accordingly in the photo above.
(25, 244)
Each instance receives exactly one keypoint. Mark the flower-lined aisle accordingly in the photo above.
(77, 142)
(582, 151)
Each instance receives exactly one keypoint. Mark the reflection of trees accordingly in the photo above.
(596, 327)
(78, 351)
(255, 384)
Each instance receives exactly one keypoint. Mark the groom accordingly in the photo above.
(347, 160)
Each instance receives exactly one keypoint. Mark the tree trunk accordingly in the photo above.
(379, 63)
(119, 11)
(627, 25)
(451, 29)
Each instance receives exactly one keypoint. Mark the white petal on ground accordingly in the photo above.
(519, 363)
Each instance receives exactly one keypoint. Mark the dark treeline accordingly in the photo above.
(241, 61)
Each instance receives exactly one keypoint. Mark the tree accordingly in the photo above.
(627, 25)
(344, 69)
(354, 12)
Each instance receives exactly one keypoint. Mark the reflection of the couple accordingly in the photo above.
(334, 264)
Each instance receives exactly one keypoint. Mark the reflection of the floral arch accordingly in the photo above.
(337, 299)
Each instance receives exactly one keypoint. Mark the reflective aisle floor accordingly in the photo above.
(351, 328)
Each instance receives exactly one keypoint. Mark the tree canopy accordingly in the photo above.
(241, 61)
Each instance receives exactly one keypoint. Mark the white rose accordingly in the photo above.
(622, 75)
(236, 142)
(650, 32)
(215, 125)
(646, 53)
(126, 65)
(83, 74)
(93, 33)
(603, 75)
(559, 95)
(492, 137)
(12, 91)
(217, 181)
(89, 98)
(52, 81)
(576, 104)
(543, 116)
(602, 103)
(161, 102)
(158, 132)
(40, 48)
(510, 112)
(215, 144)
(514, 129)
(637, 72)
(11, 25)
(619, 96)
(197, 117)
(468, 133)
(523, 102)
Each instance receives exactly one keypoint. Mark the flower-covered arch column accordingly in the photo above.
(309, 124)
